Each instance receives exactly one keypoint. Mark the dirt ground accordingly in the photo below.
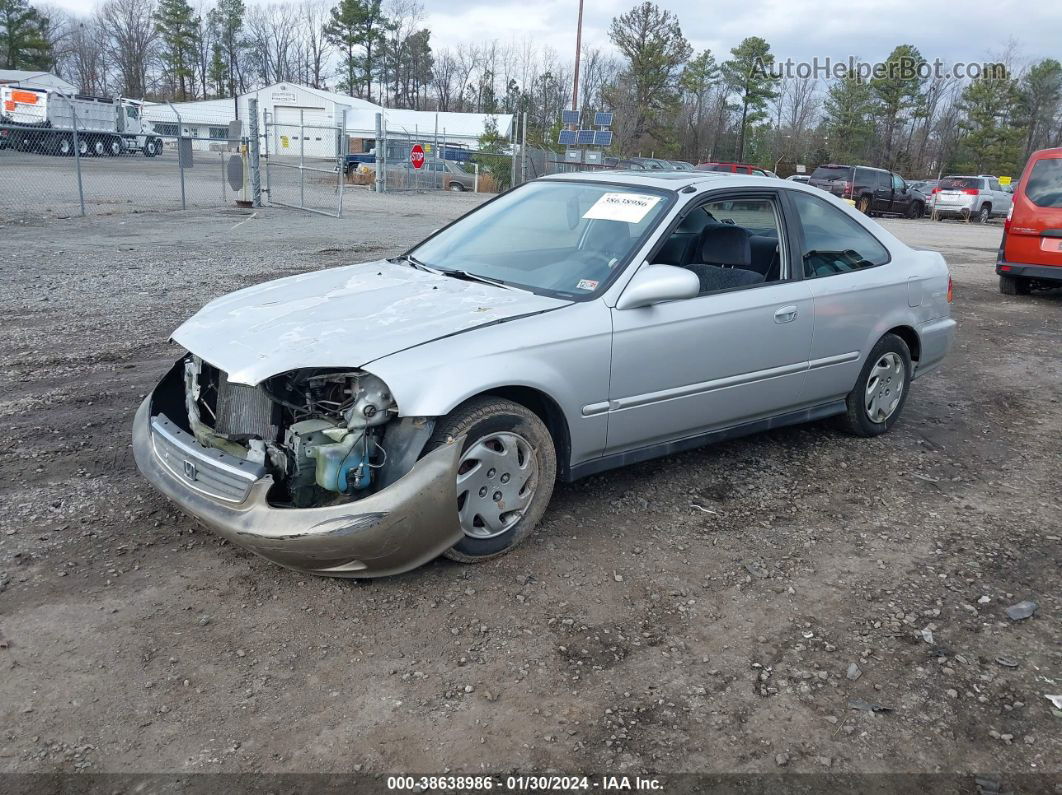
(713, 611)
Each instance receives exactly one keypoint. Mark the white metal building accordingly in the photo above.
(289, 104)
(37, 80)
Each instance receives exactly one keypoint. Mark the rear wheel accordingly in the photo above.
(505, 476)
(65, 146)
(1014, 285)
(984, 214)
(83, 146)
(97, 148)
(863, 205)
(878, 397)
(456, 187)
(151, 147)
(114, 147)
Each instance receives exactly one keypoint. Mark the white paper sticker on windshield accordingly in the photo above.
(628, 207)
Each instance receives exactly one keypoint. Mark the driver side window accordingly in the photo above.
(729, 244)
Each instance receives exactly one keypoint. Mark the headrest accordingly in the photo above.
(726, 245)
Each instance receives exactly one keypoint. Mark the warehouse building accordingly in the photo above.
(304, 120)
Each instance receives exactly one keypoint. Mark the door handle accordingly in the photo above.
(786, 314)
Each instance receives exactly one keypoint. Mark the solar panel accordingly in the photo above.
(586, 137)
(603, 119)
(603, 138)
(566, 138)
(570, 116)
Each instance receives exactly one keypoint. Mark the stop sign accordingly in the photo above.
(416, 156)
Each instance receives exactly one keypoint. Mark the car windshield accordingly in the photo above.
(1044, 187)
(558, 238)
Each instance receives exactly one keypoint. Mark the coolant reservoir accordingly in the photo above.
(343, 465)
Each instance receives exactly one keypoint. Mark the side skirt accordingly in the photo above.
(596, 465)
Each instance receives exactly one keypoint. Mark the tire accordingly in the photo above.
(64, 147)
(984, 213)
(456, 187)
(863, 205)
(82, 146)
(151, 147)
(114, 147)
(889, 363)
(916, 210)
(97, 148)
(497, 428)
(1013, 285)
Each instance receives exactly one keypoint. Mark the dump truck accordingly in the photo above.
(49, 122)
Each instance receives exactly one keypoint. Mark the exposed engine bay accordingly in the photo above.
(317, 431)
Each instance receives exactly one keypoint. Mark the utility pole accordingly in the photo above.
(578, 52)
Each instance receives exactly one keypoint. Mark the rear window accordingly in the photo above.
(1044, 186)
(831, 172)
(961, 183)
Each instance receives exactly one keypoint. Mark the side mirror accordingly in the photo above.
(654, 284)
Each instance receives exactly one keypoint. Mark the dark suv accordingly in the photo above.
(871, 190)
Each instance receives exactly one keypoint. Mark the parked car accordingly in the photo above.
(1030, 253)
(803, 179)
(652, 163)
(451, 176)
(624, 164)
(362, 420)
(924, 186)
(874, 191)
(732, 168)
(680, 165)
(980, 198)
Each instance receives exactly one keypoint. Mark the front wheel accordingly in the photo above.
(878, 397)
(456, 187)
(916, 210)
(505, 475)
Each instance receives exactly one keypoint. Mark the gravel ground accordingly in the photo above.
(715, 611)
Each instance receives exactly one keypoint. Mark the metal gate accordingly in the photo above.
(305, 160)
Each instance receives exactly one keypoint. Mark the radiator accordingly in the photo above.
(243, 412)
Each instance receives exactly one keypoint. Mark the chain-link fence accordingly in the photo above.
(304, 161)
(64, 155)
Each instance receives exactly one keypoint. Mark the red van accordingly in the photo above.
(1030, 254)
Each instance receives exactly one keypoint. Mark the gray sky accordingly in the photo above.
(800, 29)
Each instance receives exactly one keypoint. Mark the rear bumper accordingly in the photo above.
(935, 338)
(405, 525)
(1042, 273)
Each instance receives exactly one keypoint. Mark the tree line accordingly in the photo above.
(668, 100)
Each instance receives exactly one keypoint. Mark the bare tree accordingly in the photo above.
(317, 50)
(129, 38)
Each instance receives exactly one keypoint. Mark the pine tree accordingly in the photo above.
(848, 121)
(357, 25)
(749, 75)
(175, 23)
(23, 37)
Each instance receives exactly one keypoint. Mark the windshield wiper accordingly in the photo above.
(473, 277)
(416, 263)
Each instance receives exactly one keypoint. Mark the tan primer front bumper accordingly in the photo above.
(399, 528)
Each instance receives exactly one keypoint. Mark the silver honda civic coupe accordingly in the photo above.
(360, 421)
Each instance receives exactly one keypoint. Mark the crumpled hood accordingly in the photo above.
(343, 317)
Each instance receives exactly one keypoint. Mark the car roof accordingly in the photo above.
(664, 179)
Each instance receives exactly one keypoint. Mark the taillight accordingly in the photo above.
(951, 291)
(971, 191)
(1010, 215)
(936, 190)
(846, 187)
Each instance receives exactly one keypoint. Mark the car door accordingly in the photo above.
(846, 268)
(722, 358)
(882, 191)
(901, 195)
(1001, 200)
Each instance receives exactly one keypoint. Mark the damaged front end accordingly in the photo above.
(313, 468)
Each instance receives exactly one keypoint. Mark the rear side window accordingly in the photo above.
(1044, 186)
(831, 172)
(961, 183)
(833, 242)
